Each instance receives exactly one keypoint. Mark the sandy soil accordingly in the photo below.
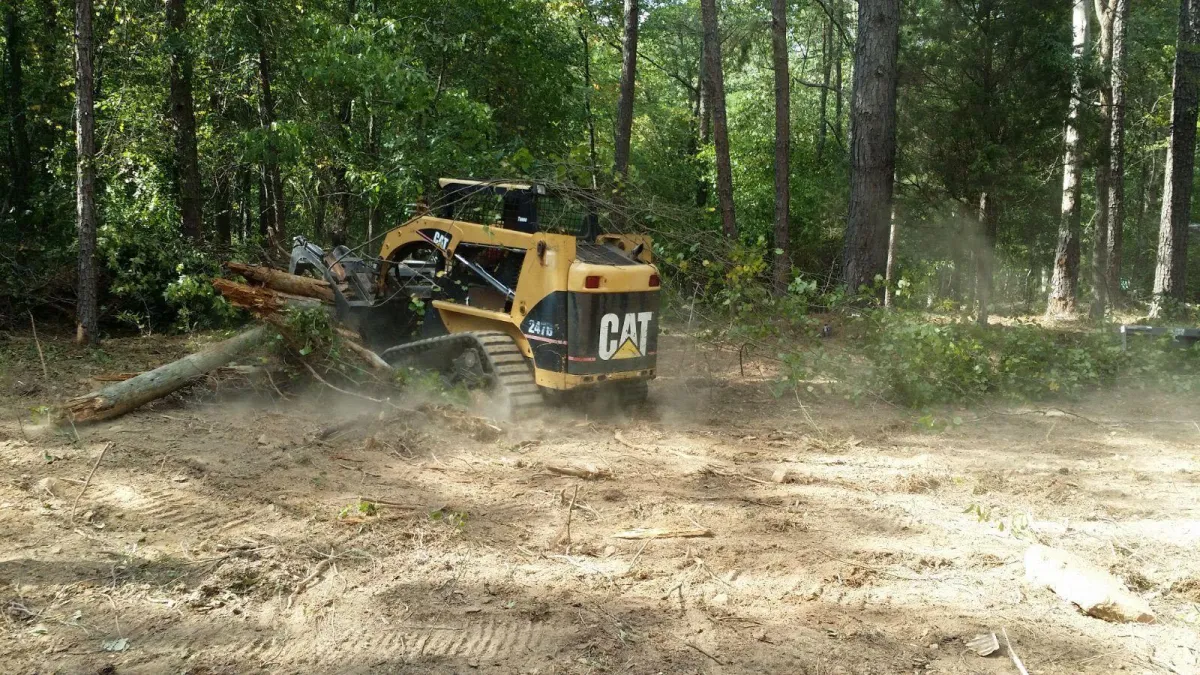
(213, 539)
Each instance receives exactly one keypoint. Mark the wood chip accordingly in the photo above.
(584, 471)
(984, 644)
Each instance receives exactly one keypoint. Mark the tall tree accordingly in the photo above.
(19, 158)
(1064, 284)
(716, 96)
(826, 73)
(985, 260)
(1170, 275)
(183, 122)
(87, 313)
(587, 104)
(704, 119)
(1116, 186)
(779, 54)
(1105, 18)
(872, 142)
(275, 204)
(629, 54)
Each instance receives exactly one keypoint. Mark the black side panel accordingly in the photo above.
(612, 332)
(546, 329)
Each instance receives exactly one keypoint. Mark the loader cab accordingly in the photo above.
(523, 207)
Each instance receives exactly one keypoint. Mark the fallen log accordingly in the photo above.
(122, 397)
(260, 300)
(269, 305)
(279, 280)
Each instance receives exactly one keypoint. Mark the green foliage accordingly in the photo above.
(311, 331)
(910, 360)
(455, 519)
(359, 509)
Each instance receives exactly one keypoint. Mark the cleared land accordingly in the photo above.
(215, 536)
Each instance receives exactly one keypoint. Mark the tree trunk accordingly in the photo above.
(1064, 285)
(223, 216)
(373, 153)
(587, 105)
(779, 52)
(716, 88)
(341, 187)
(1116, 186)
(624, 128)
(122, 397)
(704, 135)
(87, 313)
(985, 261)
(272, 177)
(838, 54)
(1170, 275)
(826, 73)
(1104, 17)
(282, 281)
(266, 209)
(890, 274)
(245, 213)
(183, 122)
(19, 158)
(872, 142)
(321, 207)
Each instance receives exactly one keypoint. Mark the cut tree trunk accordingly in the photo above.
(1064, 285)
(1170, 275)
(624, 128)
(779, 53)
(1116, 185)
(282, 281)
(872, 142)
(264, 302)
(123, 397)
(87, 314)
(716, 93)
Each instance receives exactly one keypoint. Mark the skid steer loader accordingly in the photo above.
(507, 286)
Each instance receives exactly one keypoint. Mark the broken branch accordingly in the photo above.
(88, 481)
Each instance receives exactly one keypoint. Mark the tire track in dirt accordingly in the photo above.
(365, 646)
(176, 509)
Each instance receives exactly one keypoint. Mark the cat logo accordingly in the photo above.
(624, 337)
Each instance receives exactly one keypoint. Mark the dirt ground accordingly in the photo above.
(219, 534)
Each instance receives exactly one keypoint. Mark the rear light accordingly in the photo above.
(591, 282)
(655, 282)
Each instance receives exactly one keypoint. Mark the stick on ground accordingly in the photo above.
(88, 481)
(38, 343)
(1013, 655)
(663, 533)
(570, 510)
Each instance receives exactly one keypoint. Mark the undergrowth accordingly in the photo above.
(910, 359)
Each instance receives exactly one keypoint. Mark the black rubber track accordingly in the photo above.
(508, 369)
